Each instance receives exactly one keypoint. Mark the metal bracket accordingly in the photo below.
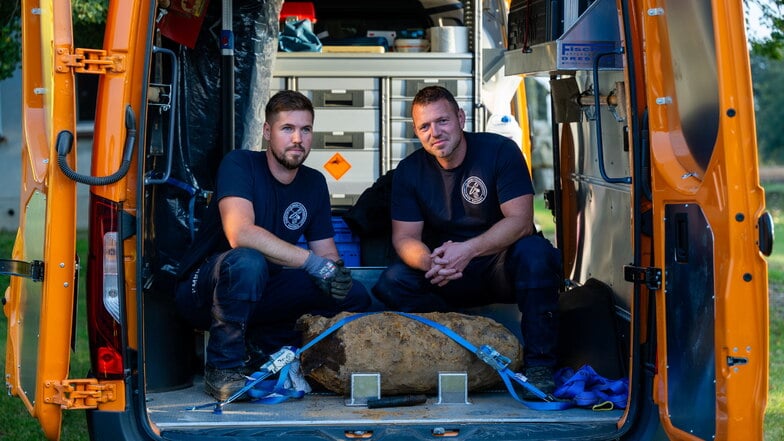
(85, 393)
(363, 387)
(160, 95)
(91, 61)
(32, 270)
(453, 388)
(650, 276)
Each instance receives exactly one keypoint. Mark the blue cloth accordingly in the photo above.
(588, 389)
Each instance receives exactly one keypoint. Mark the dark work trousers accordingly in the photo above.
(527, 273)
(237, 296)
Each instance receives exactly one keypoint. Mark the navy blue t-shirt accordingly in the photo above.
(463, 202)
(286, 210)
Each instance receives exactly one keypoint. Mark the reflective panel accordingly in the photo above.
(31, 292)
(693, 51)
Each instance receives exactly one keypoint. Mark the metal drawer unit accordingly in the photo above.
(402, 139)
(346, 132)
(363, 108)
(347, 112)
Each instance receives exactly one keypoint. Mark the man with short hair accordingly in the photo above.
(462, 226)
(250, 293)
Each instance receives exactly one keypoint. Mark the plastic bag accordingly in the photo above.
(298, 36)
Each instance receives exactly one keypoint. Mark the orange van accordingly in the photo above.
(658, 210)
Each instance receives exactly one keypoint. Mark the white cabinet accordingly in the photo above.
(363, 108)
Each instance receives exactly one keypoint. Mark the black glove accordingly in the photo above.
(321, 270)
(341, 283)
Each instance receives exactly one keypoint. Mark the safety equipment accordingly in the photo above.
(341, 283)
(321, 270)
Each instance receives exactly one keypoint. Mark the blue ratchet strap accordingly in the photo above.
(277, 362)
(268, 393)
(499, 363)
(272, 392)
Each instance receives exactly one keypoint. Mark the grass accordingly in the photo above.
(774, 415)
(774, 198)
(543, 218)
(25, 428)
(75, 429)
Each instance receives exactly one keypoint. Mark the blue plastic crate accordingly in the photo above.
(346, 242)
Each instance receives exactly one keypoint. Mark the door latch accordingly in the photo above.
(32, 270)
(651, 277)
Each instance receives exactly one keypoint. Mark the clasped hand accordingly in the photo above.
(448, 262)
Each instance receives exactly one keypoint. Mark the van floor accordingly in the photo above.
(172, 411)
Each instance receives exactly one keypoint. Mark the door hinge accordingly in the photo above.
(83, 393)
(32, 270)
(92, 61)
(647, 275)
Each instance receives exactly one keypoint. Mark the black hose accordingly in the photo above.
(65, 143)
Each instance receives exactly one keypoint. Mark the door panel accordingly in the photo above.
(712, 311)
(691, 365)
(40, 310)
(30, 293)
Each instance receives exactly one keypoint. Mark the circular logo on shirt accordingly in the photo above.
(474, 190)
(294, 216)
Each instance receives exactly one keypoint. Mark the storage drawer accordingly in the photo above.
(359, 168)
(402, 148)
(276, 85)
(341, 92)
(347, 120)
(403, 128)
(346, 140)
(408, 87)
(402, 106)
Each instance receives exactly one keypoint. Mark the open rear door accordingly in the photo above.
(40, 301)
(711, 312)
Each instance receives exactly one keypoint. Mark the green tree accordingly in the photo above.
(768, 95)
(10, 29)
(772, 17)
(89, 17)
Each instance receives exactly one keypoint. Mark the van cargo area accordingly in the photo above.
(488, 415)
(362, 106)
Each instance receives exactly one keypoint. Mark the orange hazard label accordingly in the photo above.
(337, 166)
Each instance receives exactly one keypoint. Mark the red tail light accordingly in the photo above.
(104, 289)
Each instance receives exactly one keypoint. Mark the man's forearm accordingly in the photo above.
(500, 236)
(273, 248)
(413, 253)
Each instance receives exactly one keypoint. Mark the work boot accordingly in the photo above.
(223, 383)
(542, 378)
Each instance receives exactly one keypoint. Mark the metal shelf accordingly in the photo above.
(409, 64)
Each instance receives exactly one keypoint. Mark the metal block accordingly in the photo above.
(453, 388)
(363, 387)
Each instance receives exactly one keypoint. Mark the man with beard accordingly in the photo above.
(250, 293)
(463, 228)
